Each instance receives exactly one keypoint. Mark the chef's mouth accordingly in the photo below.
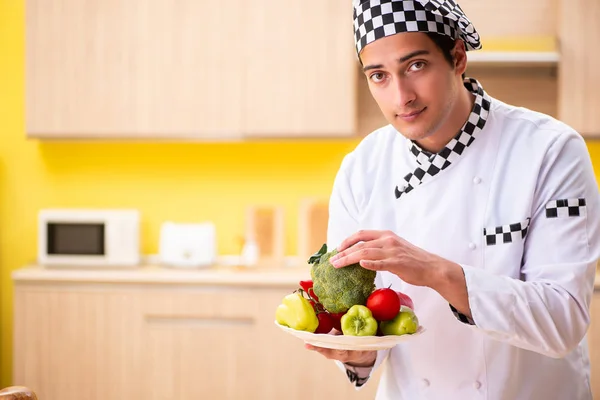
(411, 116)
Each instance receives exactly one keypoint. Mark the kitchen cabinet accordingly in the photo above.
(593, 338)
(300, 70)
(579, 80)
(200, 70)
(157, 334)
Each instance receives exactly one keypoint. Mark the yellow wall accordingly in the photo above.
(183, 182)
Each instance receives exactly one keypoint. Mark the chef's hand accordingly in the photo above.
(386, 251)
(352, 357)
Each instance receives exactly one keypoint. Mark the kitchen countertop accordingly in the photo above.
(217, 275)
(153, 274)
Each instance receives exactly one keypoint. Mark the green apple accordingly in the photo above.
(405, 322)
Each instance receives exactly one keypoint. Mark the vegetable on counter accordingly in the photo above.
(296, 312)
(359, 321)
(338, 289)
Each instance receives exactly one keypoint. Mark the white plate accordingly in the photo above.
(343, 342)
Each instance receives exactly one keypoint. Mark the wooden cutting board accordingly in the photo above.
(265, 224)
(312, 226)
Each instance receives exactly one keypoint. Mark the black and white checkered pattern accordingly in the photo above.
(506, 233)
(451, 10)
(431, 164)
(566, 208)
(461, 317)
(375, 19)
(354, 377)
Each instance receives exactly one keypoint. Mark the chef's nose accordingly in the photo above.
(404, 93)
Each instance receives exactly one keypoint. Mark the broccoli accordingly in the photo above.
(339, 289)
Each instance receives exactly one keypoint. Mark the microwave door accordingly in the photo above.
(74, 240)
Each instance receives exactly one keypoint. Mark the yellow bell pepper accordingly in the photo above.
(296, 312)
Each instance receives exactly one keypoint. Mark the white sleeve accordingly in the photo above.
(343, 207)
(343, 222)
(548, 310)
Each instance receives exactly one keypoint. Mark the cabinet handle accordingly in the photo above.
(192, 320)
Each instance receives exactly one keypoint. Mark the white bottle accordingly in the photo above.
(250, 253)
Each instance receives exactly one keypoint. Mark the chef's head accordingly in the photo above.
(413, 55)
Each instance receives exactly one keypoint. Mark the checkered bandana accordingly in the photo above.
(374, 19)
(430, 164)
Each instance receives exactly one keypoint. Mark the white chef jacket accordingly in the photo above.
(518, 209)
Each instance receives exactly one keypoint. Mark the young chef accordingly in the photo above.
(486, 214)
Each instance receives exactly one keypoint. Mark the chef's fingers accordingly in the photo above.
(375, 265)
(356, 256)
(361, 236)
(378, 243)
(332, 354)
(340, 355)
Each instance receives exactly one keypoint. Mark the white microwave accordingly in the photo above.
(89, 237)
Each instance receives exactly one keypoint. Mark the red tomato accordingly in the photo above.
(325, 322)
(406, 301)
(336, 318)
(384, 303)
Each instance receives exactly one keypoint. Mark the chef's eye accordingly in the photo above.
(377, 77)
(416, 66)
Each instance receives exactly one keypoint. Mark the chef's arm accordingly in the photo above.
(546, 316)
(359, 375)
(546, 310)
(343, 221)
(449, 281)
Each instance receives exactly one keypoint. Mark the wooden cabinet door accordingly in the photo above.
(135, 69)
(300, 69)
(579, 80)
(190, 69)
(73, 344)
(223, 344)
(98, 342)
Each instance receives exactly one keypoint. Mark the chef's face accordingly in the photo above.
(414, 85)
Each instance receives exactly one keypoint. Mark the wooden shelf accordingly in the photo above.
(517, 50)
(541, 58)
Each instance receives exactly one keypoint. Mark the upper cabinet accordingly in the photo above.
(300, 68)
(189, 69)
(233, 70)
(579, 79)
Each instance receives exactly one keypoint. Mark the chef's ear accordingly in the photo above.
(459, 57)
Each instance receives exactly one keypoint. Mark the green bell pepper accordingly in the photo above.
(296, 312)
(405, 322)
(359, 321)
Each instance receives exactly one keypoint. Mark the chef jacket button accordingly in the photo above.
(477, 180)
(425, 383)
(477, 385)
(472, 246)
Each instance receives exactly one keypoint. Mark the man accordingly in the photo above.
(486, 214)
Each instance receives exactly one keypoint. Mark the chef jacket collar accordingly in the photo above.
(430, 164)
